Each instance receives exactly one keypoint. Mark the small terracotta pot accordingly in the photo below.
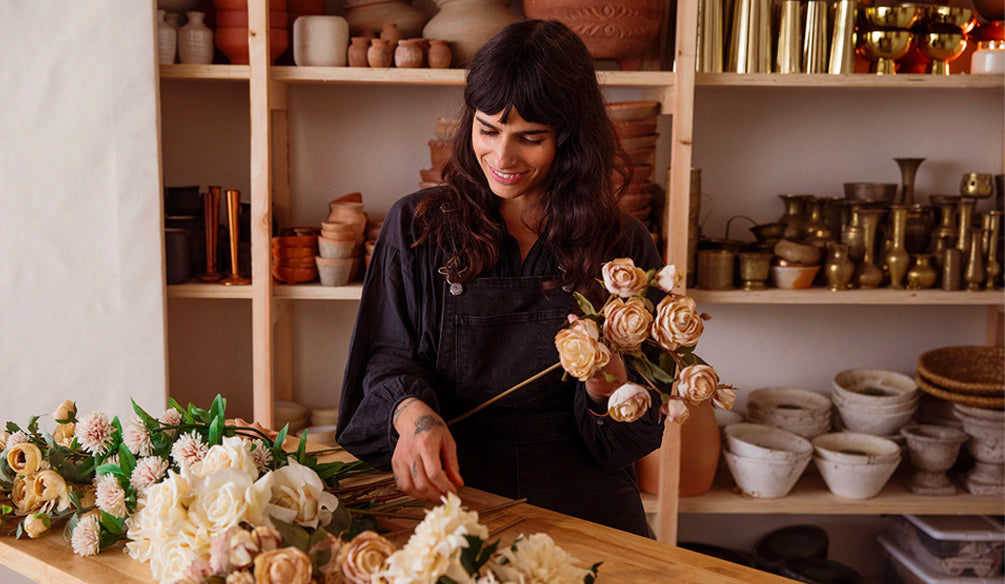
(439, 153)
(379, 54)
(358, 48)
(440, 56)
(333, 248)
(408, 55)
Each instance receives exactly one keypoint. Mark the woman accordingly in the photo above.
(469, 283)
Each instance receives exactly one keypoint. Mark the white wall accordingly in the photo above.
(82, 313)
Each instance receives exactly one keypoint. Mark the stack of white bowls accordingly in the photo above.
(854, 465)
(874, 401)
(765, 461)
(800, 411)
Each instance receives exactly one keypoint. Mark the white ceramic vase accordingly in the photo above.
(167, 40)
(320, 41)
(195, 41)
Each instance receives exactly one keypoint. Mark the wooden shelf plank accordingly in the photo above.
(206, 72)
(861, 80)
(825, 296)
(811, 497)
(392, 76)
(212, 291)
(316, 291)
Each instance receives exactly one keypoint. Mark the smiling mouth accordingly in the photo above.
(506, 177)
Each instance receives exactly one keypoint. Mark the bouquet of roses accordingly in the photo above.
(627, 324)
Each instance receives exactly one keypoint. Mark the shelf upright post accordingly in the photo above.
(282, 208)
(261, 211)
(675, 220)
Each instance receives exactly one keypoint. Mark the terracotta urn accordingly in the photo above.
(357, 51)
(370, 16)
(700, 446)
(391, 34)
(379, 54)
(233, 42)
(611, 30)
(467, 25)
(439, 56)
(409, 54)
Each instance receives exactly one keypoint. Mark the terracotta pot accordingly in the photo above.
(439, 153)
(357, 51)
(467, 25)
(371, 15)
(391, 34)
(440, 56)
(239, 18)
(379, 54)
(233, 42)
(621, 30)
(700, 445)
(408, 55)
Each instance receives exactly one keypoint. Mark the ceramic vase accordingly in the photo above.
(320, 41)
(611, 30)
(467, 25)
(391, 34)
(379, 54)
(195, 41)
(167, 40)
(357, 52)
(896, 259)
(700, 446)
(408, 55)
(370, 16)
(839, 268)
(439, 56)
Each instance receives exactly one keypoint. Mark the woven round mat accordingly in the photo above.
(979, 401)
(965, 369)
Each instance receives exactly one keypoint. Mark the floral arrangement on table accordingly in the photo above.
(626, 324)
(204, 500)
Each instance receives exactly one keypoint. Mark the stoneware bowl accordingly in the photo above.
(334, 271)
(628, 111)
(874, 386)
(855, 481)
(764, 479)
(324, 416)
(322, 434)
(910, 404)
(286, 411)
(724, 418)
(766, 442)
(786, 402)
(855, 448)
(866, 421)
(793, 277)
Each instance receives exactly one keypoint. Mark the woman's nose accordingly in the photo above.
(505, 154)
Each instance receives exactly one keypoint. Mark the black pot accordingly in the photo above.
(791, 542)
(194, 227)
(178, 266)
(820, 571)
(182, 201)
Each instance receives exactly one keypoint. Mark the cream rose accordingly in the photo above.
(724, 398)
(63, 434)
(363, 557)
(24, 458)
(226, 497)
(622, 278)
(166, 503)
(677, 324)
(50, 486)
(580, 349)
(170, 559)
(626, 323)
(675, 410)
(35, 524)
(283, 566)
(66, 411)
(234, 452)
(22, 494)
(628, 403)
(668, 278)
(696, 383)
(299, 496)
(267, 538)
(4, 435)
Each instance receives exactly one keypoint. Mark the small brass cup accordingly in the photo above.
(940, 48)
(715, 269)
(754, 269)
(883, 48)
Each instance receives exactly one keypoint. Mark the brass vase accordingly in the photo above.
(947, 216)
(794, 218)
(815, 229)
(994, 266)
(965, 214)
(974, 274)
(922, 274)
(908, 170)
(853, 234)
(896, 259)
(952, 269)
(918, 229)
(211, 211)
(754, 269)
(838, 269)
(868, 274)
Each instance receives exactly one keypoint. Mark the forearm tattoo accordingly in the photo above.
(427, 422)
(401, 409)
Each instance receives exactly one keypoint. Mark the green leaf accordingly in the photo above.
(112, 524)
(33, 425)
(293, 535)
(148, 420)
(668, 364)
(218, 407)
(109, 468)
(216, 430)
(199, 414)
(12, 427)
(126, 460)
(592, 576)
(341, 520)
(650, 370)
(302, 448)
(584, 304)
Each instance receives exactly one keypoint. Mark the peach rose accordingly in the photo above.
(724, 398)
(283, 566)
(668, 278)
(675, 410)
(626, 323)
(22, 494)
(580, 349)
(365, 555)
(50, 486)
(35, 524)
(622, 278)
(24, 458)
(66, 411)
(628, 403)
(63, 434)
(677, 323)
(696, 383)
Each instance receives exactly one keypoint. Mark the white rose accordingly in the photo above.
(677, 322)
(622, 278)
(626, 323)
(171, 560)
(299, 496)
(234, 452)
(166, 502)
(580, 349)
(668, 278)
(628, 403)
(696, 383)
(228, 496)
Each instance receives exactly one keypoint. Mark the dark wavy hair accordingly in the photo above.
(544, 70)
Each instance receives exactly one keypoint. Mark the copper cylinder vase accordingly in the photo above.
(233, 206)
(211, 213)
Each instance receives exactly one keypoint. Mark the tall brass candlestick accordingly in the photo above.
(233, 202)
(211, 216)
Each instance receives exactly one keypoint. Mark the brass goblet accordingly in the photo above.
(901, 17)
(940, 48)
(947, 18)
(883, 47)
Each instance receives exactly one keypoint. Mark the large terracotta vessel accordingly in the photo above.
(466, 25)
(370, 16)
(611, 30)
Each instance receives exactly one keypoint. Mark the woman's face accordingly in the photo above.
(515, 155)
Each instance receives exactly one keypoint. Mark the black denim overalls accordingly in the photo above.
(494, 334)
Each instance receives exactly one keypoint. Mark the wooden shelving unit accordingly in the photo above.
(206, 72)
(811, 497)
(884, 296)
(860, 80)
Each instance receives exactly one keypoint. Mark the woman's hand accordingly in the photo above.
(425, 459)
(598, 388)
